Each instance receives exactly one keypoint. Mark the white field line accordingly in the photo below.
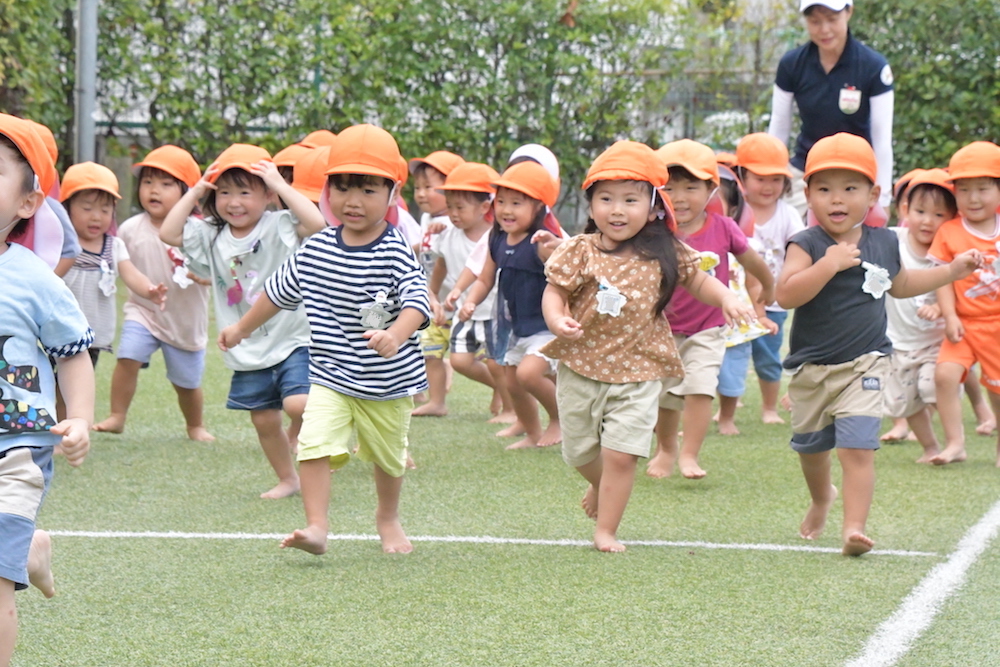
(897, 634)
(480, 539)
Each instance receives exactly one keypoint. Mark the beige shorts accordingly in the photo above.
(838, 405)
(331, 418)
(910, 386)
(596, 414)
(702, 355)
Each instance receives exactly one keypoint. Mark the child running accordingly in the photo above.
(240, 245)
(835, 276)
(365, 296)
(606, 293)
(523, 193)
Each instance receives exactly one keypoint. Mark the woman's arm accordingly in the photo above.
(781, 114)
(882, 110)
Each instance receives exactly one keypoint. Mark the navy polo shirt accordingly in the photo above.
(834, 102)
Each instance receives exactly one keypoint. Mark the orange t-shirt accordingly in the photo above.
(978, 295)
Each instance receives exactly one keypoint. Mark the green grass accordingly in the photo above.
(143, 601)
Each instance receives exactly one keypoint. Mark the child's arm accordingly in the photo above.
(137, 281)
(172, 229)
(262, 310)
(710, 291)
(76, 384)
(306, 212)
(801, 279)
(756, 267)
(954, 330)
(546, 242)
(479, 290)
(63, 266)
(920, 281)
(433, 287)
(558, 318)
(754, 289)
(386, 342)
(465, 280)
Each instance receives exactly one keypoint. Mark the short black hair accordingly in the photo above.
(936, 193)
(470, 195)
(422, 169)
(103, 197)
(359, 181)
(677, 171)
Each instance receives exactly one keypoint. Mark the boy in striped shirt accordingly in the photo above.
(365, 297)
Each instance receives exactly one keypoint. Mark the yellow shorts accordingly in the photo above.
(331, 418)
(434, 340)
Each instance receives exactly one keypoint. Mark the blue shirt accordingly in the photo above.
(828, 102)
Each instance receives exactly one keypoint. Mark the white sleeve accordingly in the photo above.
(882, 109)
(781, 114)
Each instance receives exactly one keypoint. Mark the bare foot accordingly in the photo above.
(496, 403)
(715, 417)
(410, 463)
(986, 426)
(856, 544)
(728, 428)
(815, 521)
(551, 436)
(310, 539)
(394, 540)
(420, 397)
(282, 490)
(589, 502)
(503, 418)
(607, 543)
(112, 424)
(894, 434)
(40, 563)
(525, 443)
(512, 431)
(200, 434)
(689, 467)
(951, 454)
(771, 417)
(786, 402)
(929, 455)
(431, 410)
(661, 465)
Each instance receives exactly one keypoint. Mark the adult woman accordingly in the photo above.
(840, 85)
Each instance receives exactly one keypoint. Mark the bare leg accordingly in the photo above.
(192, 402)
(533, 375)
(387, 487)
(40, 563)
(948, 378)
(315, 478)
(662, 463)
(526, 408)
(995, 401)
(920, 424)
(592, 473)
(697, 416)
(8, 621)
(437, 389)
(727, 415)
(986, 421)
(274, 442)
(294, 406)
(898, 432)
(822, 492)
(616, 483)
(506, 414)
(769, 402)
(859, 489)
(124, 380)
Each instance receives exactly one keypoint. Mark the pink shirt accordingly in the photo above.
(718, 237)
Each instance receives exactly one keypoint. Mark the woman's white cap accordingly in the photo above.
(835, 5)
(539, 154)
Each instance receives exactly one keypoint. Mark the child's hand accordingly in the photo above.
(466, 313)
(75, 439)
(449, 301)
(769, 324)
(566, 327)
(436, 228)
(843, 255)
(203, 185)
(546, 242)
(929, 312)
(438, 316)
(766, 297)
(965, 263)
(954, 330)
(230, 337)
(268, 172)
(383, 342)
(736, 312)
(157, 294)
(198, 279)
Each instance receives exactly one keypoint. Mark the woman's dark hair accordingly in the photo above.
(153, 172)
(654, 241)
(235, 177)
(537, 223)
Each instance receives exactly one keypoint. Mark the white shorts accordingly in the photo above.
(519, 348)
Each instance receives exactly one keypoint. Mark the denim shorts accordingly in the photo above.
(733, 372)
(767, 349)
(25, 473)
(184, 367)
(267, 388)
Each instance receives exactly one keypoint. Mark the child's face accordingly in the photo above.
(977, 199)
(360, 209)
(925, 215)
(465, 212)
(620, 209)
(158, 194)
(840, 199)
(241, 206)
(689, 198)
(15, 203)
(515, 211)
(426, 193)
(763, 191)
(91, 213)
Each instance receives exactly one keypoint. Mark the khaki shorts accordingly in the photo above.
(910, 385)
(702, 355)
(329, 422)
(838, 405)
(596, 414)
(434, 340)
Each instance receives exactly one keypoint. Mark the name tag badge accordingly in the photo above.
(850, 100)
(609, 300)
(877, 281)
(106, 283)
(375, 315)
(871, 384)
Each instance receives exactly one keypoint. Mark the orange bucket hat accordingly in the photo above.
(842, 151)
(938, 177)
(726, 159)
(763, 154)
(289, 155)
(173, 160)
(48, 139)
(980, 159)
(238, 156)
(632, 161)
(697, 158)
(307, 176)
(472, 177)
(318, 138)
(532, 179)
(365, 149)
(88, 176)
(31, 146)
(904, 180)
(443, 161)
